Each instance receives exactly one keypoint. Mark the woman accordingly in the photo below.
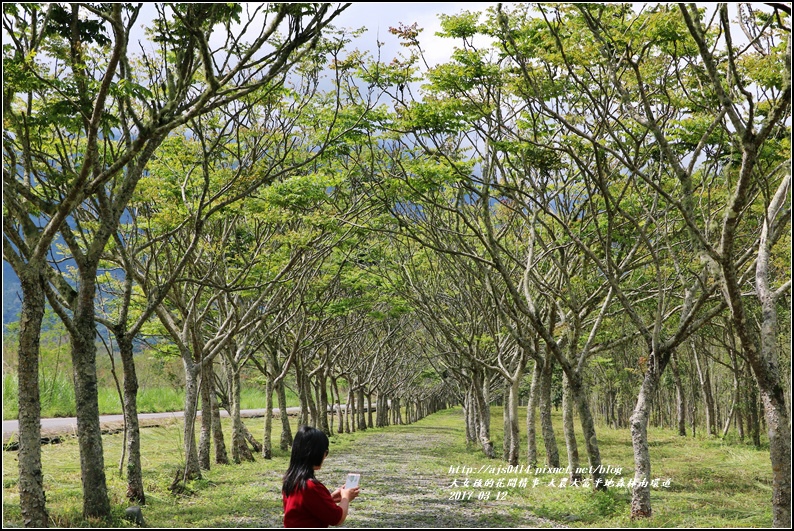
(307, 503)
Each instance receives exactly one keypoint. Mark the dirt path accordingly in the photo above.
(403, 486)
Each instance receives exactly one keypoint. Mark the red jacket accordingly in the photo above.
(311, 507)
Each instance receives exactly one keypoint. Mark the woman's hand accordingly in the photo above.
(349, 494)
(345, 497)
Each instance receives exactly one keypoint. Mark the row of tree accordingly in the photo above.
(596, 161)
(589, 195)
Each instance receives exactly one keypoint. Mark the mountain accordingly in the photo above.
(12, 295)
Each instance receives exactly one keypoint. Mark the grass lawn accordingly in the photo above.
(712, 484)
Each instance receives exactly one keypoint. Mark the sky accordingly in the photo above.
(377, 18)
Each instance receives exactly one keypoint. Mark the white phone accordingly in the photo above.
(352, 481)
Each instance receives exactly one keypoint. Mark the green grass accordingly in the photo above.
(712, 484)
(158, 400)
(10, 392)
(160, 381)
(57, 398)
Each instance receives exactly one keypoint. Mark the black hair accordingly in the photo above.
(308, 451)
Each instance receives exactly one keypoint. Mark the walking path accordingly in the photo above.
(403, 485)
(64, 426)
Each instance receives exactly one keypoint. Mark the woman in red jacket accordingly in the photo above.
(307, 503)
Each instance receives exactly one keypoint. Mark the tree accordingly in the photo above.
(647, 83)
(471, 177)
(760, 164)
(65, 98)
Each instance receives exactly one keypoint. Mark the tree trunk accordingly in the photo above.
(192, 469)
(221, 457)
(398, 413)
(532, 406)
(705, 389)
(135, 491)
(339, 412)
(641, 497)
(322, 404)
(680, 400)
(92, 461)
(267, 443)
(568, 431)
(740, 398)
(240, 450)
(303, 416)
(766, 366)
(617, 416)
(514, 451)
(286, 432)
(332, 405)
(380, 422)
(507, 435)
(734, 401)
(310, 403)
(751, 407)
(641, 491)
(256, 446)
(549, 440)
(693, 408)
(740, 415)
(468, 415)
(31, 485)
(588, 429)
(754, 421)
(483, 416)
(369, 410)
(349, 410)
(606, 407)
(777, 423)
(205, 436)
(362, 424)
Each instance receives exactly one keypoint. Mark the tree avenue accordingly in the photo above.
(585, 207)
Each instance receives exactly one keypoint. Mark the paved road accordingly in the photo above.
(68, 425)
